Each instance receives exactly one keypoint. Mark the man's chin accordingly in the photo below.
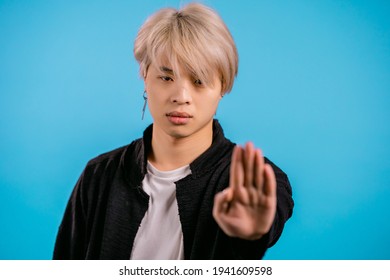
(178, 133)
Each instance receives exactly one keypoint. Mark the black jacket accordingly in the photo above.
(107, 206)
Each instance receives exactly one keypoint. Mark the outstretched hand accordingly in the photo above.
(246, 209)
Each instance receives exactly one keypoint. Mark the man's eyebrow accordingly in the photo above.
(166, 70)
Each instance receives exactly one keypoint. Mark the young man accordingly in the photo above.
(183, 191)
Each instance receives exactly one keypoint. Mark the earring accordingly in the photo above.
(145, 101)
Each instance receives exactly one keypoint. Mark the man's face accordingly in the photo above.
(180, 106)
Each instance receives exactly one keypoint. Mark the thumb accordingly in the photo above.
(221, 201)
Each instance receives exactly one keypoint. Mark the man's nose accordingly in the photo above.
(182, 94)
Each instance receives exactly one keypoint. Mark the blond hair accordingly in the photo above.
(194, 37)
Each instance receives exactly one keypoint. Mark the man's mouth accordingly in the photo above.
(178, 118)
(179, 115)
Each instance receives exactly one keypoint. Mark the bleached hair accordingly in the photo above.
(194, 37)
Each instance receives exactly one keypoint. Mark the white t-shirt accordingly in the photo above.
(160, 235)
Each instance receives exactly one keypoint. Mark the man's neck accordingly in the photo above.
(169, 153)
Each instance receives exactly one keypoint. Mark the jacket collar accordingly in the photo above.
(134, 160)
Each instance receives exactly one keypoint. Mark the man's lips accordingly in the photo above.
(178, 115)
(178, 118)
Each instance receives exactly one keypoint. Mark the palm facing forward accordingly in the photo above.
(246, 209)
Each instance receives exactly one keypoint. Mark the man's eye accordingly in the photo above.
(198, 82)
(166, 78)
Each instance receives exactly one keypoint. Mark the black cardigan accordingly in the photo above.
(108, 204)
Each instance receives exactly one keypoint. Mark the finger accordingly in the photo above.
(220, 210)
(239, 192)
(269, 181)
(228, 193)
(236, 169)
(221, 202)
(248, 157)
(259, 169)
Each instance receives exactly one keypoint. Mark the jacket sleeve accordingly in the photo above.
(70, 242)
(284, 206)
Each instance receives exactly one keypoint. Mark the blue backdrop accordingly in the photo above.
(313, 92)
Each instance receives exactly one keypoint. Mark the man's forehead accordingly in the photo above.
(171, 65)
(172, 70)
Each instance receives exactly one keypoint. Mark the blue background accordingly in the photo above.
(313, 92)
